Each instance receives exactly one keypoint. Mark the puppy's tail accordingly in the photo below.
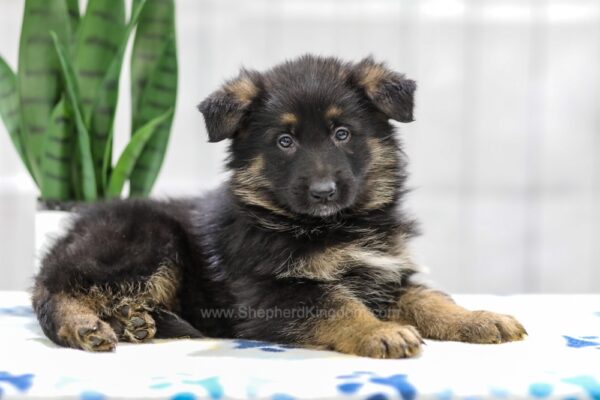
(170, 325)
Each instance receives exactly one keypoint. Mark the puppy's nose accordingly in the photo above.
(323, 190)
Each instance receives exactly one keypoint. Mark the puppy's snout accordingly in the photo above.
(323, 190)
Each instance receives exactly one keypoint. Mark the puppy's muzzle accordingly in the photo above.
(323, 191)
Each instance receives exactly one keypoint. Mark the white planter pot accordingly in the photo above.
(51, 222)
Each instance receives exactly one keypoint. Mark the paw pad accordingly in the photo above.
(133, 323)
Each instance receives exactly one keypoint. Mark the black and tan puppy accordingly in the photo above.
(305, 244)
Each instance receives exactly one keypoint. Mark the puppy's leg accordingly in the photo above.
(323, 316)
(92, 320)
(103, 280)
(350, 327)
(73, 322)
(436, 316)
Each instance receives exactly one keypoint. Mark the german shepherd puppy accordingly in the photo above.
(305, 244)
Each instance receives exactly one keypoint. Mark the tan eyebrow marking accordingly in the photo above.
(288, 118)
(333, 112)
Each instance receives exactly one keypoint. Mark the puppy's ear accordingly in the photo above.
(225, 108)
(389, 91)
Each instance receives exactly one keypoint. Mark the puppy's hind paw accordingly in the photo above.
(133, 323)
(94, 336)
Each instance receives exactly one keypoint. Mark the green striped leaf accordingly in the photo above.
(9, 109)
(103, 111)
(159, 95)
(57, 157)
(38, 79)
(73, 10)
(88, 178)
(154, 87)
(156, 27)
(98, 39)
(130, 155)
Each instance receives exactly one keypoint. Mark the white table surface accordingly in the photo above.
(559, 359)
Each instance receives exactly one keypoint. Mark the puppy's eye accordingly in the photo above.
(285, 141)
(341, 134)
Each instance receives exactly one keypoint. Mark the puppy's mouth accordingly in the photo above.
(324, 210)
(316, 210)
(300, 203)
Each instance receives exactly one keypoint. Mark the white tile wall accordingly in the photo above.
(504, 152)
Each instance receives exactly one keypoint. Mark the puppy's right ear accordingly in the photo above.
(225, 109)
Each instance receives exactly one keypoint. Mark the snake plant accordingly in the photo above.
(59, 107)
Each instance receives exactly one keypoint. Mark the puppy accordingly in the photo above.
(305, 244)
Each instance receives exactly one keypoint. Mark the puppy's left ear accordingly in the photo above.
(389, 91)
(225, 109)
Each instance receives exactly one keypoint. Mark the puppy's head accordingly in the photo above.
(312, 136)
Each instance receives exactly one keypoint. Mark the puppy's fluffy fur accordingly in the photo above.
(305, 244)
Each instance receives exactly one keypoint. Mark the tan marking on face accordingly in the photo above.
(252, 175)
(381, 178)
(288, 119)
(333, 112)
(243, 89)
(250, 185)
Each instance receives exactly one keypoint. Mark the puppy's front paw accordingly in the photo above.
(389, 340)
(489, 327)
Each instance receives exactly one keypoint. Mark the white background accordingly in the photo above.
(505, 150)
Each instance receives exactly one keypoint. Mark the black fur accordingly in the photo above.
(235, 250)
